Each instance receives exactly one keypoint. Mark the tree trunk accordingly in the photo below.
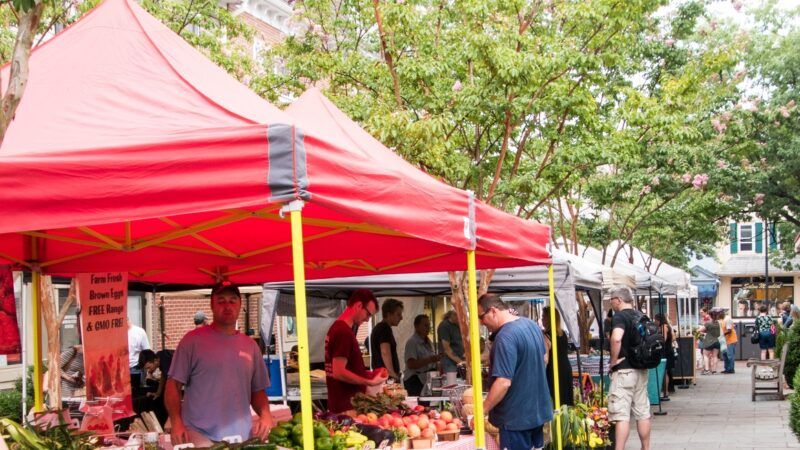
(52, 320)
(459, 285)
(48, 309)
(18, 75)
(583, 323)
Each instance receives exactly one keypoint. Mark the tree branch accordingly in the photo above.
(20, 59)
(387, 56)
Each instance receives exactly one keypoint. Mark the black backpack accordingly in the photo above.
(647, 347)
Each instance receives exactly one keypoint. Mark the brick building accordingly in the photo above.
(179, 309)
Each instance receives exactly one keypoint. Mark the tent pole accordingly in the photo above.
(554, 343)
(37, 341)
(36, 277)
(298, 264)
(24, 341)
(475, 352)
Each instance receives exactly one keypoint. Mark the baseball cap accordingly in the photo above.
(225, 286)
(199, 317)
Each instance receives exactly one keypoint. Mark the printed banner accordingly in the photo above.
(10, 344)
(104, 328)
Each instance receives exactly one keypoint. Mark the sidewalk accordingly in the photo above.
(717, 413)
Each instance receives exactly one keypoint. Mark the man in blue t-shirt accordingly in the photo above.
(518, 402)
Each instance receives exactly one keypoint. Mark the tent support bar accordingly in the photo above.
(348, 226)
(475, 352)
(298, 263)
(280, 246)
(554, 343)
(100, 236)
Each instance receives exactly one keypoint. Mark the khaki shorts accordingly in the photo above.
(627, 395)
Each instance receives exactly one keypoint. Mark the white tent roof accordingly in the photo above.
(645, 281)
(642, 259)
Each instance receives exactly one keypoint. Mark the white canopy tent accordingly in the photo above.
(570, 273)
(646, 283)
(650, 263)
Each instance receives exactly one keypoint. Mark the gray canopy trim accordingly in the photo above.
(472, 232)
(287, 175)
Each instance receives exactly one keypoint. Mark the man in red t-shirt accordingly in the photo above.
(345, 373)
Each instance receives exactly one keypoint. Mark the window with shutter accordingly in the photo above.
(746, 237)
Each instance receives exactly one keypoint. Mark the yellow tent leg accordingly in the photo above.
(298, 264)
(475, 353)
(38, 398)
(554, 342)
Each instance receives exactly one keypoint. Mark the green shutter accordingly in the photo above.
(734, 239)
(759, 237)
(773, 237)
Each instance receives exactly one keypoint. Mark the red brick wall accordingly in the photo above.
(269, 34)
(179, 310)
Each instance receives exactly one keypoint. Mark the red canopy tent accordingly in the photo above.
(130, 151)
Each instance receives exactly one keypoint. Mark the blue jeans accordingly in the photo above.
(522, 439)
(729, 357)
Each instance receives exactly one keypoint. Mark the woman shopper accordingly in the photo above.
(765, 326)
(566, 396)
(710, 345)
(669, 352)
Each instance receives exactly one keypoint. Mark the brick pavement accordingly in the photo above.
(717, 413)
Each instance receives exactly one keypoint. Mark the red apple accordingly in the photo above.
(413, 431)
(458, 422)
(361, 418)
(383, 423)
(447, 416)
(397, 422)
(423, 422)
(440, 425)
(453, 426)
(427, 433)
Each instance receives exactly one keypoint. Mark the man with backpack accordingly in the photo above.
(633, 347)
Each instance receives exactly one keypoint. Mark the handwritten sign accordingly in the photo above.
(104, 301)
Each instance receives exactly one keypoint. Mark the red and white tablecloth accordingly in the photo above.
(466, 443)
(280, 413)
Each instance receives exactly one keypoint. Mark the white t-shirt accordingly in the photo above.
(137, 341)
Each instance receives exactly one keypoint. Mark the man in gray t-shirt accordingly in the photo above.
(223, 373)
(450, 342)
(420, 357)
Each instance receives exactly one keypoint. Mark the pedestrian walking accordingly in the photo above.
(765, 325)
(731, 339)
(711, 345)
(669, 352)
(627, 395)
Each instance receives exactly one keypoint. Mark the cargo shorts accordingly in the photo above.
(627, 395)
